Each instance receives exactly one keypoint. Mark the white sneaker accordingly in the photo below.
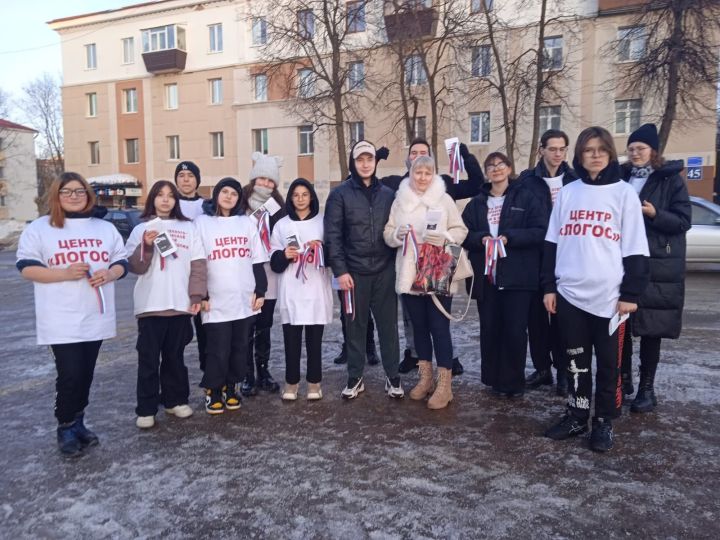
(353, 388)
(314, 392)
(145, 422)
(290, 392)
(393, 388)
(181, 411)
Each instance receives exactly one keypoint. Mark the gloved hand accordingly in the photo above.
(382, 153)
(464, 151)
(434, 238)
(402, 231)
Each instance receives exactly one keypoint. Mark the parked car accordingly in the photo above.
(703, 238)
(124, 220)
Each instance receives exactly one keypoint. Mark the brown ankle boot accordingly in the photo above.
(425, 384)
(443, 391)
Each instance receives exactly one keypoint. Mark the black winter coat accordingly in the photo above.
(660, 306)
(534, 180)
(523, 220)
(355, 217)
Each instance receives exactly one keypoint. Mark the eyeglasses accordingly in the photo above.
(67, 193)
(496, 166)
(595, 152)
(555, 150)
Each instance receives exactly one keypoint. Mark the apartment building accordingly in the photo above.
(151, 84)
(18, 172)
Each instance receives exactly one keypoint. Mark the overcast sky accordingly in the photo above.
(28, 46)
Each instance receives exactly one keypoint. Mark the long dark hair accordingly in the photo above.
(150, 211)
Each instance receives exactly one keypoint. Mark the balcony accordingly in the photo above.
(165, 61)
(615, 7)
(411, 23)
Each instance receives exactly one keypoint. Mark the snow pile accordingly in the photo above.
(10, 230)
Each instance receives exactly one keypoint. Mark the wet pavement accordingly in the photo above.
(370, 468)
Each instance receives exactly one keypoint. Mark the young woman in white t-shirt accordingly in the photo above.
(595, 267)
(71, 254)
(304, 290)
(236, 290)
(169, 290)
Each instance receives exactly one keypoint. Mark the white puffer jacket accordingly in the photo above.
(411, 208)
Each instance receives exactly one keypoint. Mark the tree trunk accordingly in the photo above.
(671, 99)
(539, 84)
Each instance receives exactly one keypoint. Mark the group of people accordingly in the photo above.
(560, 254)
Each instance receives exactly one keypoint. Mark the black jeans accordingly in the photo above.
(376, 293)
(75, 364)
(258, 347)
(370, 336)
(649, 352)
(164, 337)
(544, 337)
(583, 332)
(503, 337)
(431, 329)
(292, 335)
(226, 352)
(201, 340)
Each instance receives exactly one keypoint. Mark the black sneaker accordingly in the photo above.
(265, 382)
(231, 398)
(601, 438)
(68, 441)
(342, 357)
(248, 388)
(457, 367)
(394, 388)
(539, 378)
(86, 437)
(214, 402)
(409, 362)
(353, 388)
(372, 357)
(568, 426)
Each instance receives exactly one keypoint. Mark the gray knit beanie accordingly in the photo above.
(266, 167)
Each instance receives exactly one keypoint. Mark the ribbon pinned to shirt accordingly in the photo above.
(494, 250)
(263, 227)
(410, 241)
(99, 294)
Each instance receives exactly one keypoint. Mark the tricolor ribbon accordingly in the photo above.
(494, 249)
(162, 259)
(456, 162)
(409, 241)
(349, 303)
(264, 229)
(100, 295)
(315, 250)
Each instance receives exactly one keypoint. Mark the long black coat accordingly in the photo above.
(523, 220)
(660, 307)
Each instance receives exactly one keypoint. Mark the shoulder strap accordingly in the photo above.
(449, 315)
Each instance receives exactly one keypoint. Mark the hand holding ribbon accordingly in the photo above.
(494, 249)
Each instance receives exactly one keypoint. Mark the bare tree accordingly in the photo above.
(41, 103)
(315, 55)
(679, 61)
(4, 104)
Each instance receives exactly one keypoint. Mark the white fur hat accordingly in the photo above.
(266, 167)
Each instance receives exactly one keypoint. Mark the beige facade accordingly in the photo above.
(18, 172)
(184, 122)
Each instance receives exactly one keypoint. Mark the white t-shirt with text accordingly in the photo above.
(555, 184)
(494, 209)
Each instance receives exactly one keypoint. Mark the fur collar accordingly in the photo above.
(409, 200)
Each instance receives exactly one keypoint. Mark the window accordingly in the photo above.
(305, 134)
(132, 151)
(162, 38)
(631, 43)
(216, 91)
(260, 140)
(171, 96)
(553, 53)
(627, 115)
(173, 142)
(128, 45)
(703, 216)
(90, 56)
(218, 144)
(356, 76)
(414, 70)
(481, 61)
(480, 127)
(306, 83)
(418, 129)
(306, 23)
(356, 16)
(94, 152)
(216, 39)
(549, 118)
(92, 104)
(259, 31)
(261, 87)
(477, 5)
(130, 102)
(357, 132)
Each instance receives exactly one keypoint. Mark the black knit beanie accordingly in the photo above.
(188, 166)
(231, 183)
(647, 133)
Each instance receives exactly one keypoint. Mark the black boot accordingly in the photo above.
(627, 386)
(341, 358)
(539, 378)
(68, 441)
(645, 400)
(86, 437)
(457, 367)
(265, 381)
(371, 354)
(248, 388)
(562, 383)
(409, 362)
(601, 436)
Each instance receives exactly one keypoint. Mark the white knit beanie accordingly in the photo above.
(266, 167)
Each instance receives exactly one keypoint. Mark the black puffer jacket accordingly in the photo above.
(534, 179)
(660, 307)
(355, 216)
(523, 220)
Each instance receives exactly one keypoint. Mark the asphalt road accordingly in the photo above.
(370, 468)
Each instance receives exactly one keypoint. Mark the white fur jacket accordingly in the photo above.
(410, 208)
